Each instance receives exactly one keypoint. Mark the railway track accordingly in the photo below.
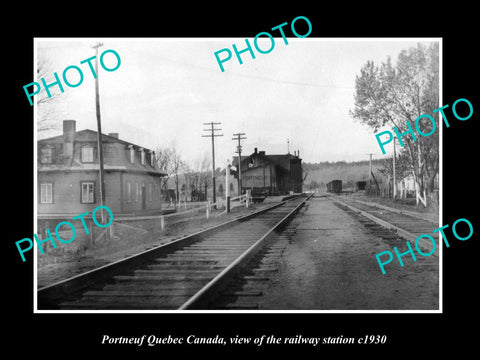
(184, 274)
(389, 223)
(247, 289)
(407, 224)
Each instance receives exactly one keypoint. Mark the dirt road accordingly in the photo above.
(330, 264)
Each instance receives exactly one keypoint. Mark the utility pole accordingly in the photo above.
(239, 151)
(213, 135)
(227, 187)
(99, 133)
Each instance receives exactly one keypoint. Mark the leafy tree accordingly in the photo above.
(396, 95)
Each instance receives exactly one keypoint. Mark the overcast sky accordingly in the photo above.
(165, 89)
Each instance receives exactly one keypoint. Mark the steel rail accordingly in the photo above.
(405, 234)
(402, 232)
(398, 211)
(215, 285)
(48, 296)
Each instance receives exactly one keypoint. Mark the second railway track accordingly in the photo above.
(184, 274)
(406, 223)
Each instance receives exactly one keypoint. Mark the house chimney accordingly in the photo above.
(68, 130)
(256, 150)
(68, 139)
(114, 135)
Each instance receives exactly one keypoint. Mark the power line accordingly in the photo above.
(215, 70)
(261, 78)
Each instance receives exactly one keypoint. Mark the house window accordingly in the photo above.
(142, 154)
(152, 158)
(46, 155)
(150, 192)
(137, 191)
(129, 191)
(87, 154)
(46, 193)
(88, 192)
(132, 154)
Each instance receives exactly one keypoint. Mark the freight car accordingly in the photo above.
(334, 186)
(360, 185)
(270, 175)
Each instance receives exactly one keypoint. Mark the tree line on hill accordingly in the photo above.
(317, 175)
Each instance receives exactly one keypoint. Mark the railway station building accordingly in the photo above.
(68, 174)
(271, 174)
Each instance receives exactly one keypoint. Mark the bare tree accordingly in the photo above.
(204, 173)
(49, 114)
(189, 177)
(169, 159)
(163, 158)
(402, 166)
(177, 164)
(198, 177)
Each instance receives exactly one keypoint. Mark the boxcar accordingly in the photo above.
(334, 186)
(361, 185)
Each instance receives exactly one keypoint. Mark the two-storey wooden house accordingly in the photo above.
(68, 174)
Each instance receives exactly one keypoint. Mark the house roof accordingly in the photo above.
(88, 135)
(282, 160)
(113, 164)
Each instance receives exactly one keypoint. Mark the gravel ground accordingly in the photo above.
(71, 259)
(330, 264)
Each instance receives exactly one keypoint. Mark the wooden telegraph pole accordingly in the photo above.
(239, 151)
(213, 135)
(99, 133)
